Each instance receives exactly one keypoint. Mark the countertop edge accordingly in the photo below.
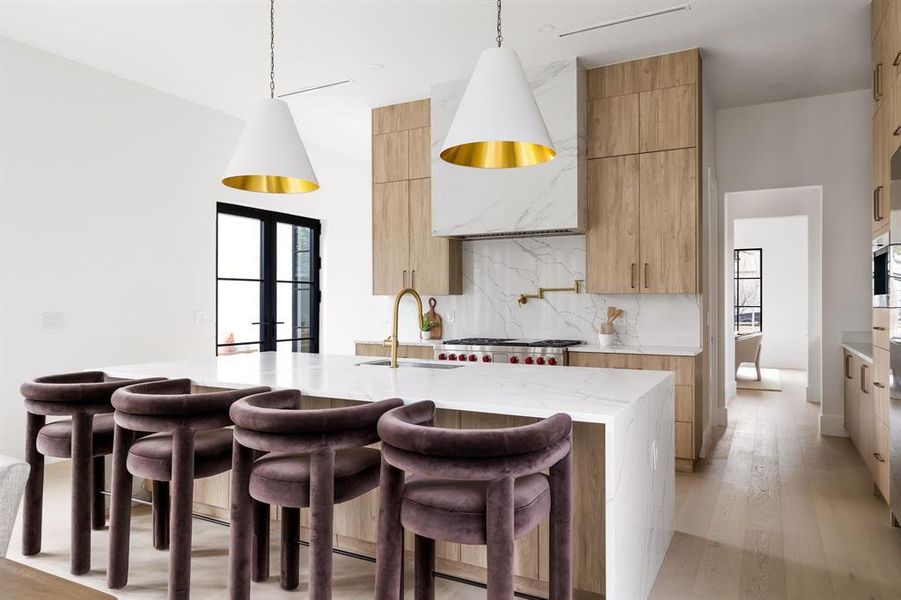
(861, 351)
(590, 348)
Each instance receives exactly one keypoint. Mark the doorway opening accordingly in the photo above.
(772, 293)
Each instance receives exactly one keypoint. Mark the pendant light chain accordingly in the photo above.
(500, 38)
(272, 48)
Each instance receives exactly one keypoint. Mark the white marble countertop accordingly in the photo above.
(862, 350)
(656, 350)
(588, 395)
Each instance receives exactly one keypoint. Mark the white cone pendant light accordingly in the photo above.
(270, 157)
(498, 124)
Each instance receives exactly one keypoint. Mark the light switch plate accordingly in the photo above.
(199, 317)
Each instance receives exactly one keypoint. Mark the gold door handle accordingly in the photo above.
(646, 275)
(875, 210)
(863, 379)
(847, 366)
(632, 275)
(879, 385)
(878, 457)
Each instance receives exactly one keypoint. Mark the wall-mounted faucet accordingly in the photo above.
(576, 288)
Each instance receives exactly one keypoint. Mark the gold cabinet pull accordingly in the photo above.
(847, 366)
(404, 283)
(875, 89)
(863, 379)
(632, 275)
(878, 457)
(897, 130)
(878, 81)
(646, 286)
(879, 385)
(897, 61)
(879, 328)
(413, 279)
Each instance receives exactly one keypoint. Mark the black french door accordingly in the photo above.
(267, 281)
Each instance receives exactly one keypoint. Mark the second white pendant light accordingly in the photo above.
(498, 124)
(270, 156)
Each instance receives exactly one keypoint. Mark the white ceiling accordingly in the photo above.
(216, 52)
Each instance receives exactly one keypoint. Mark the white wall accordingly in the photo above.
(783, 241)
(107, 215)
(824, 140)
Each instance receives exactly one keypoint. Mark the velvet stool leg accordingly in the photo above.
(32, 507)
(561, 530)
(160, 504)
(180, 518)
(390, 550)
(98, 502)
(424, 553)
(80, 526)
(119, 510)
(499, 525)
(240, 548)
(322, 507)
(261, 513)
(290, 549)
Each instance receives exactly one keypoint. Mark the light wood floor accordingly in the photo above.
(776, 511)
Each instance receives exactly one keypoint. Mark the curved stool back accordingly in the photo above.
(495, 456)
(274, 422)
(80, 396)
(170, 407)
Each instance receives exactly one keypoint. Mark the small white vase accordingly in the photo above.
(425, 335)
(606, 339)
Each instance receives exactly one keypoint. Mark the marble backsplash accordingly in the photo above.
(496, 272)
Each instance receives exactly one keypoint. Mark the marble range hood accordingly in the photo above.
(547, 199)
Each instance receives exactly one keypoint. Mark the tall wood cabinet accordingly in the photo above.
(643, 174)
(404, 251)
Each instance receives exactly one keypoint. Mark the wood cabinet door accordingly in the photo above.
(668, 218)
(420, 152)
(669, 118)
(880, 377)
(852, 391)
(613, 126)
(893, 131)
(865, 416)
(390, 237)
(611, 243)
(434, 261)
(892, 23)
(390, 160)
(881, 167)
(881, 70)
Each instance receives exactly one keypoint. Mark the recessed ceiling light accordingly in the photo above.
(376, 66)
(547, 28)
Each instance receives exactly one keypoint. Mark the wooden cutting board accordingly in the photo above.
(435, 317)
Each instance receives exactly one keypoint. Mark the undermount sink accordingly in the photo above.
(402, 363)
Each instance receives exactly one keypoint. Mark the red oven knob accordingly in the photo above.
(442, 356)
(552, 361)
(486, 358)
(540, 360)
(473, 358)
(528, 360)
(514, 360)
(451, 357)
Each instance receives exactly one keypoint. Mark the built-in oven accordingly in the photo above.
(881, 271)
(893, 271)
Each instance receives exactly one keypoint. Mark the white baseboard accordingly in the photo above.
(833, 425)
(813, 394)
(722, 417)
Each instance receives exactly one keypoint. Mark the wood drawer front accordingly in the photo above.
(682, 366)
(604, 361)
(684, 440)
(685, 402)
(881, 327)
(880, 383)
(880, 458)
(403, 351)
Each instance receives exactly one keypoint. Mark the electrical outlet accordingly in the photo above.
(199, 317)
(450, 316)
(53, 320)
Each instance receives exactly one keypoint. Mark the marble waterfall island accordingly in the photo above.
(623, 447)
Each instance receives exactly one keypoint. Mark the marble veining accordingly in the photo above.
(496, 272)
(550, 196)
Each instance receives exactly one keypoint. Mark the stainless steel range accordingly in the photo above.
(509, 350)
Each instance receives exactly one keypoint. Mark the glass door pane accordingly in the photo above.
(296, 295)
(239, 284)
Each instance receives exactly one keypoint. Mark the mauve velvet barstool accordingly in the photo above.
(86, 437)
(315, 459)
(471, 486)
(189, 441)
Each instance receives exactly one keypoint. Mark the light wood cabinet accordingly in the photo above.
(880, 383)
(881, 168)
(892, 23)
(881, 458)
(390, 236)
(669, 118)
(403, 350)
(613, 226)
(865, 416)
(893, 131)
(613, 126)
(881, 69)
(881, 328)
(687, 371)
(668, 217)
(404, 251)
(643, 232)
(866, 413)
(852, 391)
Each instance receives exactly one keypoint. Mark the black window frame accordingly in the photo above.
(268, 280)
(735, 281)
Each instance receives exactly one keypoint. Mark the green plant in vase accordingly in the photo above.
(426, 327)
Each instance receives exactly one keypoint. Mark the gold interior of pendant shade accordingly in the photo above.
(498, 155)
(270, 184)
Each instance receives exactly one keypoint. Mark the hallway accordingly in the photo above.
(776, 511)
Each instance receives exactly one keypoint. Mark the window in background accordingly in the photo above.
(267, 281)
(748, 290)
